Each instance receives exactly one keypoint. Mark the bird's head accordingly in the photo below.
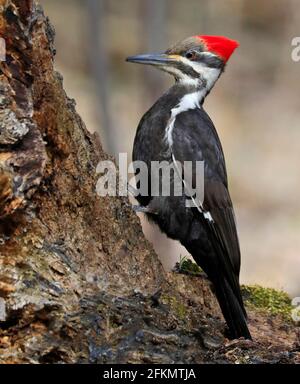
(197, 59)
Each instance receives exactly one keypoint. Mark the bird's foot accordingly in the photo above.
(141, 209)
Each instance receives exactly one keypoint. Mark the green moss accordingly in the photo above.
(175, 305)
(187, 266)
(268, 299)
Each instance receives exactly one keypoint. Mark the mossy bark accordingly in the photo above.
(78, 280)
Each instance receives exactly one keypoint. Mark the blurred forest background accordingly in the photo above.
(255, 106)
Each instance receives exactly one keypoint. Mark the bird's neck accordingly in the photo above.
(199, 87)
(185, 96)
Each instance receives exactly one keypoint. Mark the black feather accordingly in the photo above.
(214, 245)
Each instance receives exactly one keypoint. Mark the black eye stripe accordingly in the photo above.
(211, 61)
(186, 69)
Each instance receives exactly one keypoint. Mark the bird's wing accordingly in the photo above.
(195, 139)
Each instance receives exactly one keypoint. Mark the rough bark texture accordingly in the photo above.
(78, 280)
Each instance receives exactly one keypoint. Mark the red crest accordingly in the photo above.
(220, 45)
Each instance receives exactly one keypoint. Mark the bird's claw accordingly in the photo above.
(141, 209)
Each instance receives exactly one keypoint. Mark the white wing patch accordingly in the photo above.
(198, 205)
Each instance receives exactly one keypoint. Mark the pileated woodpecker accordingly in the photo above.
(177, 129)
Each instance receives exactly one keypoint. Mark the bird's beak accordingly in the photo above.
(153, 59)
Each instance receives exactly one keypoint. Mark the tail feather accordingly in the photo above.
(227, 287)
(232, 310)
(216, 262)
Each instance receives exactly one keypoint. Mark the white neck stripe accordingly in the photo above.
(207, 78)
(188, 101)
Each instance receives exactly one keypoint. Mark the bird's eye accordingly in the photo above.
(191, 55)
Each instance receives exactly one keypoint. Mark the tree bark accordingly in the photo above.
(78, 280)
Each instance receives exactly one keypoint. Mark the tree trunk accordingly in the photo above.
(78, 280)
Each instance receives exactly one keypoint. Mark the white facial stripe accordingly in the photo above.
(182, 77)
(210, 75)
